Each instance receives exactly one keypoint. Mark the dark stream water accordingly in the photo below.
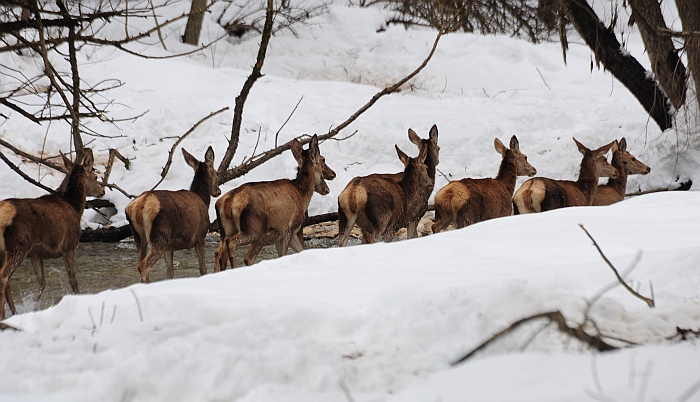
(102, 266)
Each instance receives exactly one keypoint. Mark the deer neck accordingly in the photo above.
(431, 163)
(507, 172)
(73, 189)
(415, 195)
(588, 176)
(200, 185)
(304, 182)
(619, 184)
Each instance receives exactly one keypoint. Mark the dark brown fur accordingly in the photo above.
(420, 202)
(543, 194)
(469, 201)
(165, 221)
(626, 164)
(270, 212)
(45, 227)
(380, 205)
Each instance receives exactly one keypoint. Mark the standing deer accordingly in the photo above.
(469, 201)
(165, 221)
(45, 227)
(542, 194)
(270, 212)
(379, 205)
(431, 161)
(626, 164)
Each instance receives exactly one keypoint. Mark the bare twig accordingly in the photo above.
(32, 157)
(114, 154)
(649, 302)
(288, 118)
(24, 175)
(166, 168)
(553, 316)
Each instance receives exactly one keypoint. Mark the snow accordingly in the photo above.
(381, 322)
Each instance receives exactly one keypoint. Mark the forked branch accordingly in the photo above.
(648, 301)
(555, 317)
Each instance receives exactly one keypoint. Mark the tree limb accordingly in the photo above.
(648, 301)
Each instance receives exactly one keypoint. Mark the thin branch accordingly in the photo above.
(32, 157)
(24, 175)
(166, 168)
(288, 118)
(649, 302)
(553, 316)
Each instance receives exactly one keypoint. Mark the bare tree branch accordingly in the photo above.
(648, 301)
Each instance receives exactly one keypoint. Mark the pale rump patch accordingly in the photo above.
(529, 197)
(142, 211)
(352, 200)
(151, 207)
(7, 214)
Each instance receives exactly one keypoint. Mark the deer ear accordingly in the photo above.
(402, 156)
(88, 159)
(604, 149)
(296, 150)
(314, 150)
(500, 148)
(623, 145)
(581, 148)
(209, 156)
(66, 162)
(514, 143)
(413, 137)
(433, 134)
(191, 160)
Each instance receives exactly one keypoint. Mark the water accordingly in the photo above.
(103, 266)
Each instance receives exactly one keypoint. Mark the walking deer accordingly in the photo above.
(45, 227)
(468, 201)
(626, 164)
(431, 161)
(270, 212)
(379, 204)
(162, 221)
(542, 194)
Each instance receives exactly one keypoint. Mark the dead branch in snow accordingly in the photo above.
(556, 317)
(648, 301)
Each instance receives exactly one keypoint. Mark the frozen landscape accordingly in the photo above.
(381, 322)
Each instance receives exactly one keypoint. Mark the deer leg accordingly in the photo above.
(461, 222)
(297, 243)
(145, 265)
(252, 253)
(199, 249)
(9, 299)
(38, 266)
(412, 230)
(221, 257)
(68, 263)
(169, 269)
(345, 231)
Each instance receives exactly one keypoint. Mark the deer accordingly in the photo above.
(431, 161)
(468, 201)
(263, 213)
(46, 227)
(542, 194)
(379, 204)
(162, 221)
(626, 164)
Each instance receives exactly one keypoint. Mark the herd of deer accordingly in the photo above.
(273, 212)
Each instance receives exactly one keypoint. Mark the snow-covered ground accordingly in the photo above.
(381, 322)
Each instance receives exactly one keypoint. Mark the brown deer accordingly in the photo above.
(431, 161)
(380, 205)
(45, 227)
(468, 201)
(626, 164)
(162, 221)
(270, 212)
(542, 194)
